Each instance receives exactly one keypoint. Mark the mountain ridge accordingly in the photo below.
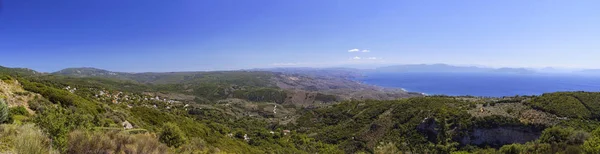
(438, 67)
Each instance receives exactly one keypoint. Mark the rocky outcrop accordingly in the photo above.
(428, 127)
(496, 137)
(126, 125)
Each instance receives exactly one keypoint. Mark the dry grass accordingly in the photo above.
(114, 142)
(24, 139)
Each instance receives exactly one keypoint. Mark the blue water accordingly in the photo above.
(484, 84)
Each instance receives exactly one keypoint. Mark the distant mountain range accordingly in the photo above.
(348, 73)
(449, 68)
(334, 72)
(353, 73)
(589, 71)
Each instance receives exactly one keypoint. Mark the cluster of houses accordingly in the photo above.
(120, 97)
(247, 139)
(117, 97)
(114, 97)
(72, 90)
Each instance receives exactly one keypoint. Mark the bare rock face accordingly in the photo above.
(127, 125)
(428, 127)
(496, 137)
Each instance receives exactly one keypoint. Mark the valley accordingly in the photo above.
(259, 111)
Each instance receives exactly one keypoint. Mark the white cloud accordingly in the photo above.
(358, 50)
(354, 50)
(285, 64)
(356, 58)
(372, 58)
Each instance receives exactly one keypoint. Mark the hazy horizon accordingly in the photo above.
(358, 67)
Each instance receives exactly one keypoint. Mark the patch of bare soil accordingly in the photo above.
(12, 92)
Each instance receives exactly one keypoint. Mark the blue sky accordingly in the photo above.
(191, 35)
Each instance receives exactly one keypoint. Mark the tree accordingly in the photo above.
(555, 135)
(512, 149)
(3, 111)
(592, 144)
(172, 135)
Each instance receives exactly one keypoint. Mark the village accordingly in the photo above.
(131, 100)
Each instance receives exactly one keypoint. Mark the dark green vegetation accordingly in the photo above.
(96, 111)
(570, 104)
(4, 112)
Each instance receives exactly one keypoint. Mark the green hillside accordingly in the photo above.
(265, 112)
(570, 104)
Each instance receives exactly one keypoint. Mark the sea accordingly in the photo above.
(484, 84)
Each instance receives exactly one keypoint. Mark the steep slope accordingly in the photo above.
(14, 95)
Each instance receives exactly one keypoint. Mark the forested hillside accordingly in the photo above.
(96, 111)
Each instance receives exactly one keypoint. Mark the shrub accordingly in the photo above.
(113, 142)
(32, 141)
(386, 148)
(58, 122)
(535, 147)
(19, 110)
(512, 149)
(472, 106)
(510, 110)
(592, 144)
(5, 78)
(3, 111)
(21, 93)
(146, 144)
(573, 150)
(195, 145)
(24, 139)
(555, 135)
(578, 137)
(172, 135)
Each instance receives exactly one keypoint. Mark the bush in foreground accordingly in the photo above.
(3, 111)
(25, 139)
(592, 144)
(113, 142)
(172, 135)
